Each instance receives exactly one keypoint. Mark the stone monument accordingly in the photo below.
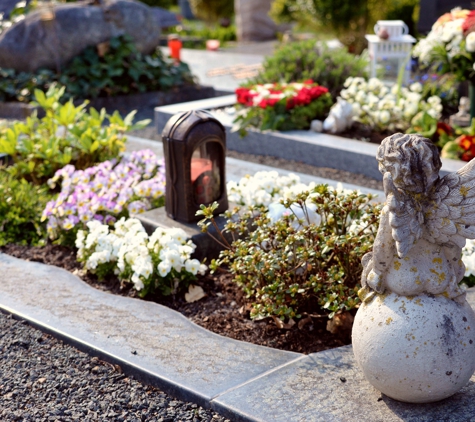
(252, 20)
(414, 333)
(462, 117)
(49, 40)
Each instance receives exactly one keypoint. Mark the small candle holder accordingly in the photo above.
(194, 146)
(175, 45)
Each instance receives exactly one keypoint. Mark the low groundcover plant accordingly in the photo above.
(105, 192)
(281, 106)
(303, 254)
(160, 262)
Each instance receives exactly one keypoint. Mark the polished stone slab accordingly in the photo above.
(151, 341)
(317, 149)
(329, 387)
(236, 169)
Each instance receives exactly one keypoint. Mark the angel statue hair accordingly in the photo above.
(424, 223)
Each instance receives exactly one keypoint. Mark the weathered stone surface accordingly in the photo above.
(329, 387)
(150, 340)
(252, 20)
(34, 43)
(413, 334)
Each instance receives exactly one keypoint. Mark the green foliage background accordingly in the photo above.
(299, 61)
(212, 10)
(348, 20)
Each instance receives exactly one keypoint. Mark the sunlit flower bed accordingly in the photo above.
(160, 262)
(281, 106)
(450, 45)
(105, 192)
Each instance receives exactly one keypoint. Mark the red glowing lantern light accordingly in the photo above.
(194, 146)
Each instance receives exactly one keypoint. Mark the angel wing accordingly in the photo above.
(405, 216)
(450, 213)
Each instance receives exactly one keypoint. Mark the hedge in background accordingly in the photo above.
(303, 60)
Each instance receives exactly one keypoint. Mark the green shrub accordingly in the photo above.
(212, 10)
(121, 70)
(304, 60)
(66, 135)
(165, 4)
(287, 266)
(349, 21)
(203, 33)
(21, 205)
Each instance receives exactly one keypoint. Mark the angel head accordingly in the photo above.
(412, 160)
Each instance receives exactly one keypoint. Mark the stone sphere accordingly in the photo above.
(416, 349)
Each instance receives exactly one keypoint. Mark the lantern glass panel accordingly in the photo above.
(206, 172)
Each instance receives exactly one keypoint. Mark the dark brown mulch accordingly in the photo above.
(223, 310)
(364, 133)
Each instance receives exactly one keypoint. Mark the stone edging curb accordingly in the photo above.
(317, 149)
(242, 381)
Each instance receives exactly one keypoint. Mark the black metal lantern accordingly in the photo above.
(194, 144)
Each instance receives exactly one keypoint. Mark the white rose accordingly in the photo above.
(470, 42)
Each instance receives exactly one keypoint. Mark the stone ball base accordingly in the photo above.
(416, 349)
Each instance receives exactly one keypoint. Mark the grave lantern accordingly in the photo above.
(194, 146)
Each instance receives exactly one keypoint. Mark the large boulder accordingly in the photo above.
(37, 43)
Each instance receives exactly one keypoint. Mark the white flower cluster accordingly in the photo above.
(264, 188)
(468, 257)
(268, 188)
(391, 108)
(136, 256)
(446, 33)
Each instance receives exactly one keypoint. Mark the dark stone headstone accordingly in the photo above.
(185, 9)
(432, 9)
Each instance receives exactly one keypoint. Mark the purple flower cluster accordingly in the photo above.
(105, 192)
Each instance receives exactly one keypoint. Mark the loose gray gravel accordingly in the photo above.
(43, 379)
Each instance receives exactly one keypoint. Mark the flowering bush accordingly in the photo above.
(281, 106)
(160, 262)
(304, 253)
(384, 108)
(105, 192)
(450, 45)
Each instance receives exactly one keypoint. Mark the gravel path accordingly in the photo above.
(43, 379)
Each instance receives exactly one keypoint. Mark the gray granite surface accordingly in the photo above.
(317, 149)
(329, 387)
(149, 338)
(242, 381)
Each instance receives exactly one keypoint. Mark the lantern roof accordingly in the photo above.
(178, 127)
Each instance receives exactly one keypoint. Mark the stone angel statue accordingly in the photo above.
(424, 224)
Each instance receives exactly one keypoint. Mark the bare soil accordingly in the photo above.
(224, 310)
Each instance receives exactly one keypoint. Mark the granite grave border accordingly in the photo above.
(317, 149)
